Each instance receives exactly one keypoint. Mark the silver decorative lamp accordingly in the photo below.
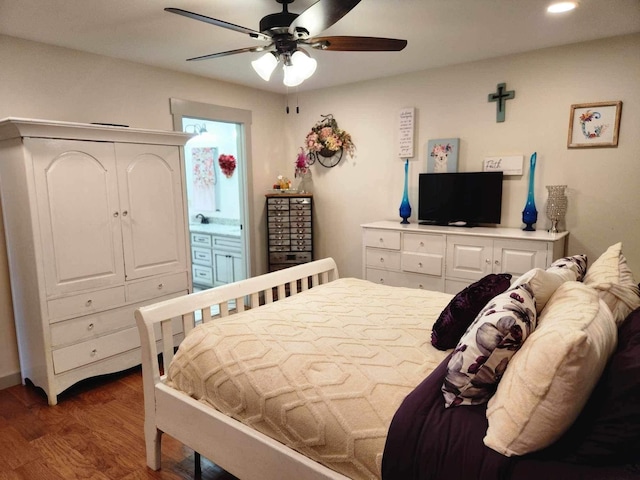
(556, 205)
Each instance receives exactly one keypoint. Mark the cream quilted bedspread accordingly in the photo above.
(322, 371)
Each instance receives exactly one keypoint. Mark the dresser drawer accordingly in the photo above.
(201, 256)
(271, 201)
(156, 286)
(425, 264)
(300, 208)
(409, 280)
(202, 275)
(273, 208)
(96, 349)
(200, 239)
(423, 243)
(300, 201)
(293, 258)
(382, 239)
(90, 326)
(85, 303)
(384, 259)
(278, 215)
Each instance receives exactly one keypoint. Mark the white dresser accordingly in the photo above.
(448, 259)
(95, 227)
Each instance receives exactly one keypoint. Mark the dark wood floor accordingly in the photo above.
(95, 432)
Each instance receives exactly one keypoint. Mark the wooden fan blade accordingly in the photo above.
(321, 15)
(357, 44)
(218, 23)
(229, 52)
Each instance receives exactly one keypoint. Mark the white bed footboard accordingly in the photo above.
(233, 446)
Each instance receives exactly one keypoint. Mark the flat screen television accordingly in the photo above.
(463, 199)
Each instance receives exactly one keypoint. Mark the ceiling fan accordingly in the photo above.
(286, 31)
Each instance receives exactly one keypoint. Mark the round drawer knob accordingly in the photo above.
(422, 244)
(125, 213)
(88, 303)
(90, 327)
(487, 261)
(94, 352)
(420, 286)
(382, 280)
(420, 264)
(160, 286)
(381, 260)
(497, 262)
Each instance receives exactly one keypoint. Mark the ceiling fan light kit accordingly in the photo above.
(286, 30)
(265, 65)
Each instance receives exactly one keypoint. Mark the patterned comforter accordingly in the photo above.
(323, 371)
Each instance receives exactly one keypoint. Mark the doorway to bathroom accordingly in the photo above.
(216, 167)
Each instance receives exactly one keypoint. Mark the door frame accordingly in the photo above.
(217, 113)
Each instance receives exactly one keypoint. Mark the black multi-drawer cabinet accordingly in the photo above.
(290, 231)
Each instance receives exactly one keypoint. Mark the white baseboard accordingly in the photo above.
(10, 380)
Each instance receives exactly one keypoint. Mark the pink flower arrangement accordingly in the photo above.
(227, 164)
(302, 165)
(326, 135)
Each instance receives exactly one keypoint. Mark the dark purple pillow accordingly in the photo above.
(607, 431)
(464, 308)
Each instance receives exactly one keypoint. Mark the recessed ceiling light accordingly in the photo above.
(561, 7)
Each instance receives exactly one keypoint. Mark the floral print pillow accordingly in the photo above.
(482, 355)
(576, 264)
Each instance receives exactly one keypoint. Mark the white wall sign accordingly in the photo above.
(509, 165)
(406, 127)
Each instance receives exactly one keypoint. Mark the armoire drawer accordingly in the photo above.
(84, 328)
(96, 349)
(85, 303)
(157, 286)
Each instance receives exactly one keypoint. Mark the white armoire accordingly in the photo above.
(95, 227)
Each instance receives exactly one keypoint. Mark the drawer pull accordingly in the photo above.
(382, 280)
(422, 244)
(125, 213)
(381, 259)
(420, 264)
(160, 286)
(88, 303)
(202, 274)
(497, 262)
(487, 261)
(115, 214)
(90, 327)
(421, 286)
(94, 352)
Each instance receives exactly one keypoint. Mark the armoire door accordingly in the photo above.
(152, 203)
(79, 214)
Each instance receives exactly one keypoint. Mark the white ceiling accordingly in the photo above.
(439, 32)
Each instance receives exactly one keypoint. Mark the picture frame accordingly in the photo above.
(442, 155)
(594, 124)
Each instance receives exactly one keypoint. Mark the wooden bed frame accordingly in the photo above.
(238, 449)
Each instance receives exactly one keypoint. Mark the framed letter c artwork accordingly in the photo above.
(594, 125)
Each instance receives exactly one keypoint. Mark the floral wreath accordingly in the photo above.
(227, 164)
(326, 138)
(598, 130)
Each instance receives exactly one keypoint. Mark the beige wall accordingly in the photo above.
(604, 204)
(39, 81)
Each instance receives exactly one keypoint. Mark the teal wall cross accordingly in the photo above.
(501, 97)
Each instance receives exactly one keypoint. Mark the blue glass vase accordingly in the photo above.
(405, 207)
(530, 214)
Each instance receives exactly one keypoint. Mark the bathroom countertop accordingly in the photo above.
(215, 229)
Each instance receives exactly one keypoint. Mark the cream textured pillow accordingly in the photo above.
(612, 278)
(550, 378)
(543, 283)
